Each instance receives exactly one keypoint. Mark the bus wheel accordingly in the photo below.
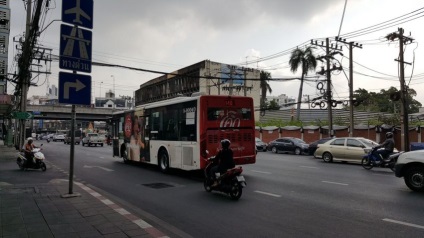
(163, 161)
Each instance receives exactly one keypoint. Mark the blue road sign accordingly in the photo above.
(78, 12)
(75, 49)
(74, 88)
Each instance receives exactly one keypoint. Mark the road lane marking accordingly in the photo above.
(403, 223)
(309, 167)
(344, 184)
(101, 157)
(269, 194)
(261, 172)
(105, 169)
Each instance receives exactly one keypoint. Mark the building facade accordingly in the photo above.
(210, 78)
(283, 101)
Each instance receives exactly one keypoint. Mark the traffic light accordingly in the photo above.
(395, 96)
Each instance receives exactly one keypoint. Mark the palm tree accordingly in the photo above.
(264, 78)
(308, 61)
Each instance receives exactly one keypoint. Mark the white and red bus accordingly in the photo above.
(176, 133)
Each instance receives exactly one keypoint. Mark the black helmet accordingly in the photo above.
(225, 143)
(389, 134)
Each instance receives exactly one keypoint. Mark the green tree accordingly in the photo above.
(381, 102)
(273, 105)
(265, 87)
(307, 60)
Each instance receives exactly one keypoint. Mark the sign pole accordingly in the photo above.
(71, 166)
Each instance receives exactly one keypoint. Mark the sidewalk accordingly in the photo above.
(39, 210)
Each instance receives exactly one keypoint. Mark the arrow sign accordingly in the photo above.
(77, 85)
(74, 88)
(22, 115)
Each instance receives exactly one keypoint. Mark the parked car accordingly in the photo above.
(410, 166)
(314, 145)
(59, 137)
(92, 139)
(288, 144)
(347, 149)
(77, 137)
(260, 145)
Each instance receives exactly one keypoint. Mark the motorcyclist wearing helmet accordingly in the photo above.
(29, 146)
(388, 145)
(225, 160)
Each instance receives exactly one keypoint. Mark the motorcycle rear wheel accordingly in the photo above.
(20, 164)
(43, 167)
(367, 164)
(207, 186)
(236, 191)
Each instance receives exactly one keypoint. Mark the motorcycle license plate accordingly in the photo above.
(240, 179)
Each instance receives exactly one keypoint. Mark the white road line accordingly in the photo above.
(269, 194)
(403, 223)
(101, 157)
(344, 184)
(309, 167)
(261, 172)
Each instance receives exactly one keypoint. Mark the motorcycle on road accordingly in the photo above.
(231, 182)
(37, 163)
(372, 159)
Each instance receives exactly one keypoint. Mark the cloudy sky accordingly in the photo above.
(168, 35)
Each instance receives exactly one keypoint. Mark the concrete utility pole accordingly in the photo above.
(25, 59)
(351, 46)
(328, 56)
(329, 98)
(403, 88)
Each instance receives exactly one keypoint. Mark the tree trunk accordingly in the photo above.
(299, 98)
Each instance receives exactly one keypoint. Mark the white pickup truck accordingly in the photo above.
(92, 139)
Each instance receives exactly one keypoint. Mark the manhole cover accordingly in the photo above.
(158, 185)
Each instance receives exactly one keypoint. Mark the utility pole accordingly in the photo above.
(309, 104)
(328, 56)
(403, 89)
(351, 46)
(24, 62)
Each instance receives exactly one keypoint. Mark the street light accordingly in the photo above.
(101, 89)
(113, 85)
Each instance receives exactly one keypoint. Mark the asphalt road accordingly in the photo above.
(286, 196)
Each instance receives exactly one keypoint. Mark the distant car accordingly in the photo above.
(260, 145)
(92, 139)
(347, 149)
(77, 137)
(59, 137)
(314, 145)
(410, 166)
(288, 144)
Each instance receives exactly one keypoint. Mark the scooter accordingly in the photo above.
(231, 182)
(372, 159)
(48, 140)
(23, 164)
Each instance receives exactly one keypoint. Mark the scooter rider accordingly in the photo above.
(225, 160)
(29, 146)
(388, 145)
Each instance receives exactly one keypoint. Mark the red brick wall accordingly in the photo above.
(287, 133)
(257, 133)
(413, 136)
(369, 134)
(310, 136)
(268, 136)
(341, 133)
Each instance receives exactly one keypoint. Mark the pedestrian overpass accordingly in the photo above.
(61, 112)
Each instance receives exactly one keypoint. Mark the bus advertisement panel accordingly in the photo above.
(176, 133)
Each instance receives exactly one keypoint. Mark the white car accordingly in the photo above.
(59, 137)
(410, 166)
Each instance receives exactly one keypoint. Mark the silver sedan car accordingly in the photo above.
(347, 149)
